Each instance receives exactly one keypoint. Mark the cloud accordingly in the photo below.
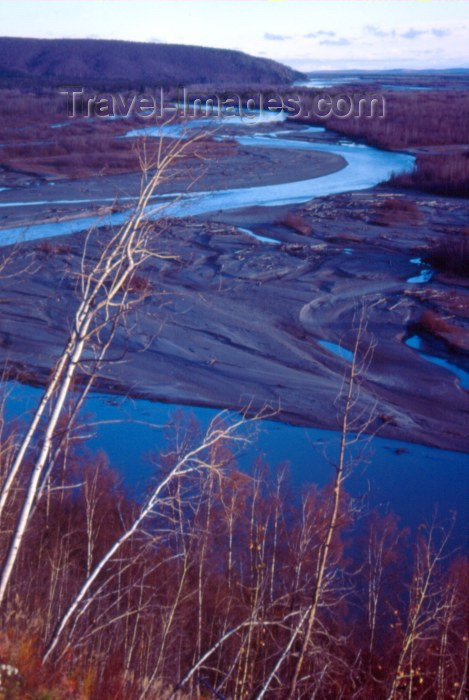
(321, 32)
(410, 33)
(413, 33)
(335, 42)
(276, 37)
(376, 31)
(440, 32)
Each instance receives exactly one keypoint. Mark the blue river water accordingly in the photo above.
(366, 167)
(414, 481)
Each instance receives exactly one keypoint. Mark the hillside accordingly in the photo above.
(47, 61)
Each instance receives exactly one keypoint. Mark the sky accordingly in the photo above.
(306, 34)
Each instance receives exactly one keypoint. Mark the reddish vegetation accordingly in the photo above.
(296, 222)
(414, 120)
(221, 555)
(224, 552)
(452, 256)
(445, 174)
(81, 156)
(49, 248)
(78, 149)
(72, 155)
(82, 148)
(396, 210)
(432, 323)
(456, 337)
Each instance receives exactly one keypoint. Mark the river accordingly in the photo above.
(366, 167)
(411, 479)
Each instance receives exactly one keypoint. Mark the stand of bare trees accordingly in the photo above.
(206, 589)
(207, 586)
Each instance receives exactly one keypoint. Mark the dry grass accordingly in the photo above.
(396, 210)
(412, 120)
(80, 149)
(452, 256)
(247, 541)
(297, 222)
(445, 174)
(430, 322)
(455, 338)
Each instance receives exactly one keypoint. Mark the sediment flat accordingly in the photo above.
(46, 199)
(232, 322)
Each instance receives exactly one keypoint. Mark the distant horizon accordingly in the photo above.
(306, 36)
(392, 69)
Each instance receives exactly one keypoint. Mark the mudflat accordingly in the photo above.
(37, 199)
(233, 322)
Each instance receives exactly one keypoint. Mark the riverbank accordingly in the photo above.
(237, 166)
(232, 322)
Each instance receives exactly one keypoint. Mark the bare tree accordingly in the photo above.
(195, 461)
(428, 606)
(105, 296)
(308, 619)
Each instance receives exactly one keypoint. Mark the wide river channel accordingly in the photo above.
(411, 479)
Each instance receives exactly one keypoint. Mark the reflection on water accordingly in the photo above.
(415, 342)
(424, 275)
(337, 350)
(326, 81)
(262, 239)
(412, 479)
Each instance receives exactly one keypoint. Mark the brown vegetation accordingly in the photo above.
(297, 222)
(46, 248)
(445, 174)
(451, 256)
(432, 323)
(392, 210)
(414, 120)
(455, 337)
(214, 582)
(228, 557)
(82, 147)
